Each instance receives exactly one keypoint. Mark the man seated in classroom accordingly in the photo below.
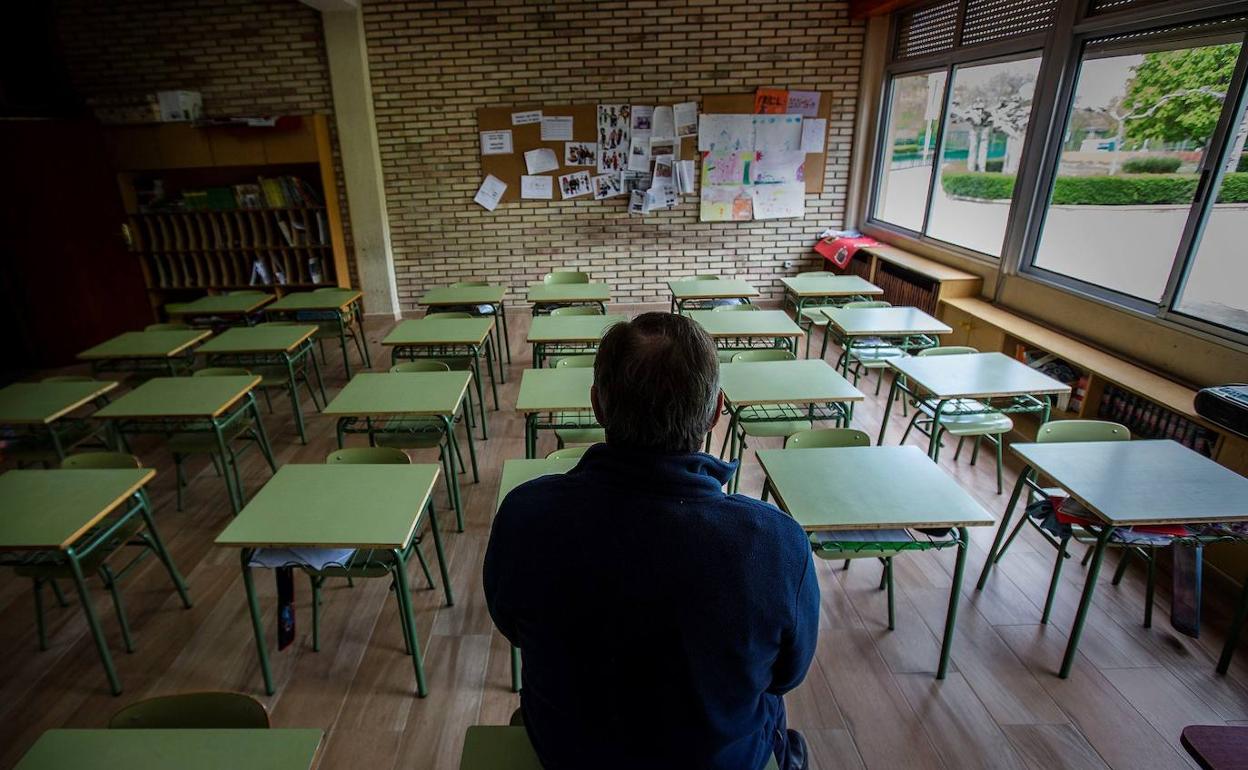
(660, 620)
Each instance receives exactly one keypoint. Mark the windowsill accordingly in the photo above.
(973, 262)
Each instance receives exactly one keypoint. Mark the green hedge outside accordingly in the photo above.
(1243, 162)
(1163, 164)
(1121, 190)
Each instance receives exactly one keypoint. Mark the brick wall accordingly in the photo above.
(247, 57)
(434, 63)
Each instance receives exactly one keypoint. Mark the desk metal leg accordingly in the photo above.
(492, 352)
(1002, 527)
(502, 317)
(159, 546)
(101, 645)
(257, 625)
(888, 407)
(227, 467)
(436, 530)
(359, 325)
(1085, 604)
(472, 451)
(402, 593)
(292, 384)
(955, 593)
(1232, 635)
(515, 668)
(476, 381)
(530, 435)
(452, 480)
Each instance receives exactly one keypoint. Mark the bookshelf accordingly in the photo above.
(910, 280)
(206, 205)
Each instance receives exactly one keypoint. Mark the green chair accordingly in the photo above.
(368, 562)
(184, 445)
(193, 711)
(1058, 431)
(960, 417)
(705, 277)
(746, 306)
(69, 378)
(583, 426)
(864, 358)
(404, 433)
(454, 363)
(326, 322)
(810, 314)
(34, 446)
(564, 277)
(168, 326)
(133, 533)
(276, 377)
(247, 292)
(768, 420)
(568, 453)
(821, 438)
(725, 355)
(577, 310)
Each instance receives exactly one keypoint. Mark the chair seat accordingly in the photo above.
(412, 433)
(784, 428)
(979, 424)
(815, 316)
(875, 357)
(204, 442)
(581, 435)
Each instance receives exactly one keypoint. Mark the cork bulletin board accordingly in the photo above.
(743, 104)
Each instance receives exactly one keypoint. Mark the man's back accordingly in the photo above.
(660, 620)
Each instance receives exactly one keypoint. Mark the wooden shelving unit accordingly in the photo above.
(908, 279)
(185, 253)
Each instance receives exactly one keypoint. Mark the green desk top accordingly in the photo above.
(872, 321)
(760, 323)
(1142, 482)
(569, 292)
(805, 381)
(188, 397)
(975, 375)
(724, 288)
(173, 750)
(516, 472)
(258, 339)
(162, 344)
(334, 506)
(223, 304)
(43, 510)
(552, 390)
(464, 295)
(337, 299)
(414, 394)
(877, 487)
(39, 403)
(571, 328)
(830, 286)
(432, 330)
(498, 748)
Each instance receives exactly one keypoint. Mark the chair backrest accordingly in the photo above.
(763, 355)
(816, 274)
(368, 455)
(323, 289)
(466, 284)
(286, 323)
(947, 350)
(822, 438)
(567, 453)
(221, 371)
(576, 362)
(1081, 430)
(868, 303)
(451, 314)
(193, 710)
(705, 277)
(171, 326)
(577, 310)
(242, 292)
(69, 378)
(735, 308)
(566, 276)
(408, 367)
(98, 460)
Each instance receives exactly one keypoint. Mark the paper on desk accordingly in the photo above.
(491, 192)
(314, 558)
(556, 128)
(537, 187)
(541, 160)
(496, 142)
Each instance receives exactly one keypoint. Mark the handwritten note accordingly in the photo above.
(541, 160)
(491, 192)
(496, 142)
(538, 188)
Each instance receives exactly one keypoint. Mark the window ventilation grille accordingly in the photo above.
(990, 20)
(927, 30)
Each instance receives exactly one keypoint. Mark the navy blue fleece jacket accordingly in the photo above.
(660, 619)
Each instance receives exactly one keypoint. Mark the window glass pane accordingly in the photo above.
(989, 109)
(1134, 140)
(909, 148)
(1216, 289)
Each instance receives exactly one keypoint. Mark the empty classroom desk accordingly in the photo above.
(699, 290)
(235, 307)
(390, 402)
(566, 335)
(749, 331)
(862, 327)
(58, 517)
(551, 399)
(341, 307)
(783, 391)
(181, 749)
(320, 506)
(974, 376)
(803, 290)
(448, 339)
(286, 348)
(214, 405)
(548, 296)
(878, 494)
(157, 352)
(42, 410)
(456, 297)
(1125, 484)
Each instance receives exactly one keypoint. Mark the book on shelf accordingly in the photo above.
(248, 196)
(274, 194)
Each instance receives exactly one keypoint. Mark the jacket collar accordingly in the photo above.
(676, 474)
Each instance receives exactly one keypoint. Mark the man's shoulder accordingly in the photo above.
(768, 517)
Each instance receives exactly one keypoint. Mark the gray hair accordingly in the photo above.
(657, 379)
